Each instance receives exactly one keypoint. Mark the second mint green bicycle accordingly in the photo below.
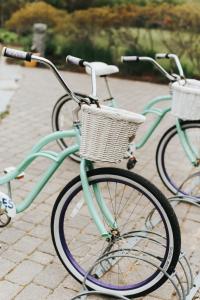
(183, 136)
(105, 212)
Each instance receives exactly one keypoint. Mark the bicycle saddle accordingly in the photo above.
(102, 69)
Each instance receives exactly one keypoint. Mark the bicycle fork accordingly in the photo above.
(100, 201)
(190, 152)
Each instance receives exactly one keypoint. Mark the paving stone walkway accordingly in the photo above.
(9, 76)
(29, 267)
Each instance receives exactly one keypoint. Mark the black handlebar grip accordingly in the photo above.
(13, 53)
(162, 55)
(75, 60)
(130, 58)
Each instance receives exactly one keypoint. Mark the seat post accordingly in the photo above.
(107, 86)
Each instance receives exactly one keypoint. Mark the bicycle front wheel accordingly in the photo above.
(62, 119)
(146, 241)
(172, 163)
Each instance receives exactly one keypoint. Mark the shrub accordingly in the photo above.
(58, 48)
(168, 27)
(8, 37)
(36, 12)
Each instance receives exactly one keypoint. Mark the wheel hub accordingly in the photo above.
(115, 233)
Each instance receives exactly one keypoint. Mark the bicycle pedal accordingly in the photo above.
(11, 169)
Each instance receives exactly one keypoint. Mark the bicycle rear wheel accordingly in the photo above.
(61, 119)
(148, 231)
(172, 163)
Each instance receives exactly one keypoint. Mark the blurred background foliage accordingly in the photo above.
(106, 29)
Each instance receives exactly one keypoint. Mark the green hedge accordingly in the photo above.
(83, 49)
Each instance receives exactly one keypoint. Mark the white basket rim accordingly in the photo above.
(117, 113)
(181, 85)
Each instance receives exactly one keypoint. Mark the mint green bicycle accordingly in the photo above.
(104, 212)
(184, 136)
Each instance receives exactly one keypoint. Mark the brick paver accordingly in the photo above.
(30, 268)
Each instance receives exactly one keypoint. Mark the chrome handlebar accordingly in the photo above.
(28, 56)
(170, 77)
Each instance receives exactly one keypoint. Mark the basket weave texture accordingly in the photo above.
(186, 99)
(106, 132)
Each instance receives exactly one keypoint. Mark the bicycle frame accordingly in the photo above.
(149, 108)
(190, 152)
(57, 159)
(160, 113)
(35, 153)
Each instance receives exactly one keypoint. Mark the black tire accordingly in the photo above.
(64, 103)
(172, 164)
(68, 212)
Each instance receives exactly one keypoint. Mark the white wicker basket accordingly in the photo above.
(106, 132)
(186, 99)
